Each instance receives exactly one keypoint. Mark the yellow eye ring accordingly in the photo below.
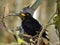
(23, 14)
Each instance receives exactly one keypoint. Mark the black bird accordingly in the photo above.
(30, 25)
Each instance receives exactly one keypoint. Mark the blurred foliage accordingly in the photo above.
(57, 18)
(57, 22)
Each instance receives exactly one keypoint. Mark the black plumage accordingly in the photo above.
(30, 25)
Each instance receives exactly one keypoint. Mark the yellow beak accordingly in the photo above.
(23, 15)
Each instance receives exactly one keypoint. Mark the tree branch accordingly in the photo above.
(32, 8)
(36, 4)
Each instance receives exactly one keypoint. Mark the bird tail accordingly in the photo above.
(45, 37)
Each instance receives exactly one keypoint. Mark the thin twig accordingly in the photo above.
(43, 30)
(25, 35)
(45, 27)
(52, 16)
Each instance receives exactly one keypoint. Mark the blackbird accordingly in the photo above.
(30, 25)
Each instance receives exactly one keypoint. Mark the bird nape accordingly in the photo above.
(30, 25)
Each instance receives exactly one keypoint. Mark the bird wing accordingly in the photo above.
(32, 24)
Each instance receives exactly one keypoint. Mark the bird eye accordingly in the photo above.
(27, 14)
(23, 14)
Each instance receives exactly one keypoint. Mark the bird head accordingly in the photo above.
(25, 15)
